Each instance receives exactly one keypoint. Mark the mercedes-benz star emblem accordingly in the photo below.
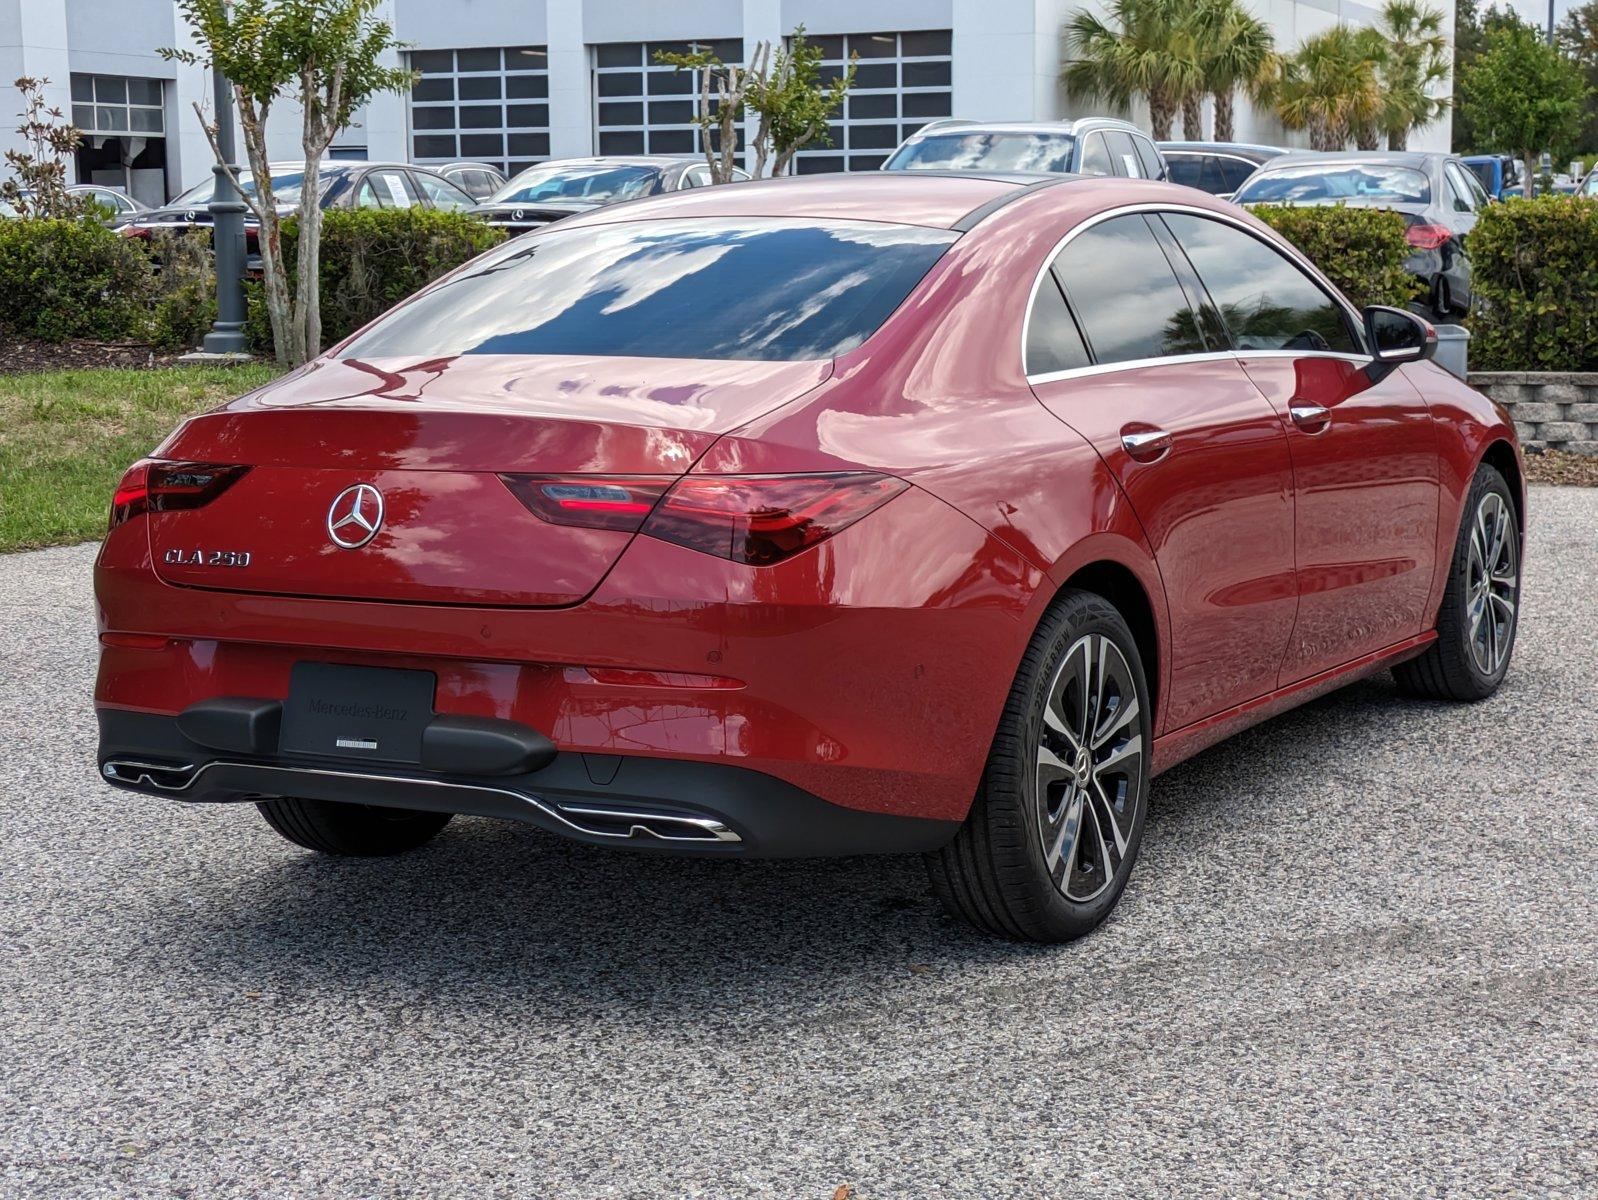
(516, 214)
(355, 516)
(190, 215)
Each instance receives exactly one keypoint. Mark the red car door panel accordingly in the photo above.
(1367, 495)
(1217, 508)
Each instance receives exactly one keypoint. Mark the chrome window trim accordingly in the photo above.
(1287, 250)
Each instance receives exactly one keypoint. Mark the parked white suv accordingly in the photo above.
(1088, 146)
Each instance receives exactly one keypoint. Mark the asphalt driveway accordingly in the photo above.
(1359, 957)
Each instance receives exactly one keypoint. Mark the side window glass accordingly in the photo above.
(1459, 190)
(441, 193)
(390, 188)
(1053, 342)
(1149, 157)
(1095, 156)
(1233, 172)
(695, 177)
(1121, 285)
(1185, 169)
(1266, 302)
(366, 196)
(1123, 156)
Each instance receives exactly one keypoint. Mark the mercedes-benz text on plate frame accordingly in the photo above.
(944, 525)
(355, 516)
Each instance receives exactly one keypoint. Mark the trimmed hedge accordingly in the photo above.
(62, 279)
(1534, 266)
(372, 259)
(1361, 250)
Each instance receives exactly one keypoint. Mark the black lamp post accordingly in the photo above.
(227, 210)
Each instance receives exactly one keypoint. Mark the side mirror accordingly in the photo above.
(1397, 336)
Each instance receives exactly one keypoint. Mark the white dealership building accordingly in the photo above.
(513, 82)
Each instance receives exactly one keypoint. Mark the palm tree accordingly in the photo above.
(1144, 48)
(1237, 50)
(1417, 60)
(1365, 120)
(1329, 86)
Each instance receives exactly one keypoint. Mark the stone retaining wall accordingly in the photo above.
(1556, 409)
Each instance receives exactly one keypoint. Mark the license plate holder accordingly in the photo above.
(375, 714)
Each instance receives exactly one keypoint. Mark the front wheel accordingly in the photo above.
(1054, 830)
(1481, 603)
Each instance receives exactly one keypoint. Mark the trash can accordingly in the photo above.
(1453, 341)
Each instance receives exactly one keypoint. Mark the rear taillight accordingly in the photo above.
(1427, 237)
(165, 486)
(754, 519)
(619, 502)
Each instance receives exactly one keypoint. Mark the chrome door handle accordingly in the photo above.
(1310, 417)
(1145, 443)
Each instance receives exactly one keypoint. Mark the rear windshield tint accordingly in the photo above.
(752, 289)
(985, 152)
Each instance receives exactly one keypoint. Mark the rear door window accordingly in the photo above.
(760, 288)
(1265, 300)
(1122, 287)
(1232, 172)
(1186, 169)
(1053, 341)
(1149, 156)
(1123, 155)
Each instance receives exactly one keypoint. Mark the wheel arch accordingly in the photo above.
(1122, 587)
(1501, 456)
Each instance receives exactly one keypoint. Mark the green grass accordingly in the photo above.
(67, 436)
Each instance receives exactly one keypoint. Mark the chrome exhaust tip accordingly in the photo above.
(665, 827)
(167, 777)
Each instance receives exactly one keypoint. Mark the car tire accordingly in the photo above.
(1480, 611)
(1052, 836)
(358, 830)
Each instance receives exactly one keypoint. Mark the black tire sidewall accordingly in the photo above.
(1067, 917)
(1487, 479)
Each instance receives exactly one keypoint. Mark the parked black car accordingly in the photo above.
(1436, 194)
(1218, 168)
(345, 184)
(552, 190)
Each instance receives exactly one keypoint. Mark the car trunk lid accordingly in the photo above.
(432, 439)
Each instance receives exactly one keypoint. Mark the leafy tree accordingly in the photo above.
(1237, 50)
(782, 87)
(1329, 86)
(1577, 36)
(1524, 96)
(1144, 48)
(38, 183)
(1415, 64)
(1472, 26)
(327, 56)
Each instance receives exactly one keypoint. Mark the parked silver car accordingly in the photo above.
(1438, 196)
(1088, 146)
(552, 190)
(477, 179)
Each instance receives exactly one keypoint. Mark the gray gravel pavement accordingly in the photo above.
(1359, 958)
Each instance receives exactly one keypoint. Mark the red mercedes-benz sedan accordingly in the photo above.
(901, 512)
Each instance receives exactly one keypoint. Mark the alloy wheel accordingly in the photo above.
(1090, 765)
(1492, 583)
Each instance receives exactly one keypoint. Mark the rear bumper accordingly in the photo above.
(669, 805)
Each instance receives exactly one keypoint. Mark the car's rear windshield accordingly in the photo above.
(759, 288)
(984, 151)
(602, 184)
(1321, 182)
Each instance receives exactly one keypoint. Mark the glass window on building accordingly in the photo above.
(487, 105)
(643, 107)
(902, 81)
(123, 123)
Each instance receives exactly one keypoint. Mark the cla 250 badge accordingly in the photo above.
(206, 558)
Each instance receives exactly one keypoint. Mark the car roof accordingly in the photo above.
(1392, 158)
(628, 160)
(1222, 147)
(933, 199)
(1066, 127)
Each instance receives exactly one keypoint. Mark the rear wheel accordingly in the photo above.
(1054, 830)
(1481, 603)
(353, 829)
